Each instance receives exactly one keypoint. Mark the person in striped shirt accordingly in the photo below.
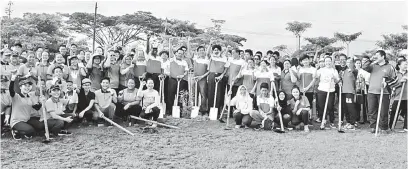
(380, 69)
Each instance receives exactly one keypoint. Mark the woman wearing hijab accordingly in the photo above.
(300, 107)
(284, 107)
(243, 107)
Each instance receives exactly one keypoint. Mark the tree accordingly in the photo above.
(114, 30)
(394, 42)
(35, 30)
(298, 28)
(282, 48)
(347, 38)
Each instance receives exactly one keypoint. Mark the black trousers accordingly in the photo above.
(373, 103)
(172, 91)
(154, 114)
(120, 112)
(220, 91)
(348, 108)
(302, 117)
(243, 119)
(402, 111)
(321, 95)
(361, 107)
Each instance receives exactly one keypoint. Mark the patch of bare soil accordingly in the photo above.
(206, 144)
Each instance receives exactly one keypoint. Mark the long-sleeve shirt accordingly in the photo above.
(378, 72)
(399, 87)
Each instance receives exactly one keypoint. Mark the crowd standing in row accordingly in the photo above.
(80, 86)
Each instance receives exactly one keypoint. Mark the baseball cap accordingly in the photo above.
(24, 81)
(86, 80)
(55, 87)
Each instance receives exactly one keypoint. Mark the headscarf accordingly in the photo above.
(246, 98)
(282, 103)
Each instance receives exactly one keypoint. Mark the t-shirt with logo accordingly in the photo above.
(326, 76)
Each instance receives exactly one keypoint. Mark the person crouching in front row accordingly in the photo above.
(150, 100)
(105, 99)
(300, 108)
(243, 107)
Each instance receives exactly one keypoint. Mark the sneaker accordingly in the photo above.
(307, 129)
(351, 127)
(64, 133)
(257, 128)
(318, 120)
(28, 137)
(246, 127)
(347, 126)
(237, 126)
(332, 126)
(154, 125)
(403, 131)
(355, 125)
(15, 135)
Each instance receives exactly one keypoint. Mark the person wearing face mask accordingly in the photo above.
(150, 101)
(327, 77)
(112, 70)
(288, 78)
(300, 107)
(23, 126)
(402, 76)
(95, 71)
(105, 100)
(60, 62)
(243, 106)
(128, 103)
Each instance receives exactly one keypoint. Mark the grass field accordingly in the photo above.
(208, 145)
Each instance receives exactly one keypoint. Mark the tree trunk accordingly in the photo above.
(348, 49)
(299, 43)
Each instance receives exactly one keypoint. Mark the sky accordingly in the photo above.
(262, 23)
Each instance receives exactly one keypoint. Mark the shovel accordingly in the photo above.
(47, 133)
(398, 107)
(194, 112)
(163, 105)
(340, 130)
(324, 112)
(214, 110)
(379, 108)
(282, 129)
(176, 108)
(223, 107)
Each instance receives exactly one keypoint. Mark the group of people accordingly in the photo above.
(262, 90)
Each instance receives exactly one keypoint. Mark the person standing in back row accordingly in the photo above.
(379, 69)
(201, 63)
(217, 68)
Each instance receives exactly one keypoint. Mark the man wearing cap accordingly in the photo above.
(55, 112)
(86, 100)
